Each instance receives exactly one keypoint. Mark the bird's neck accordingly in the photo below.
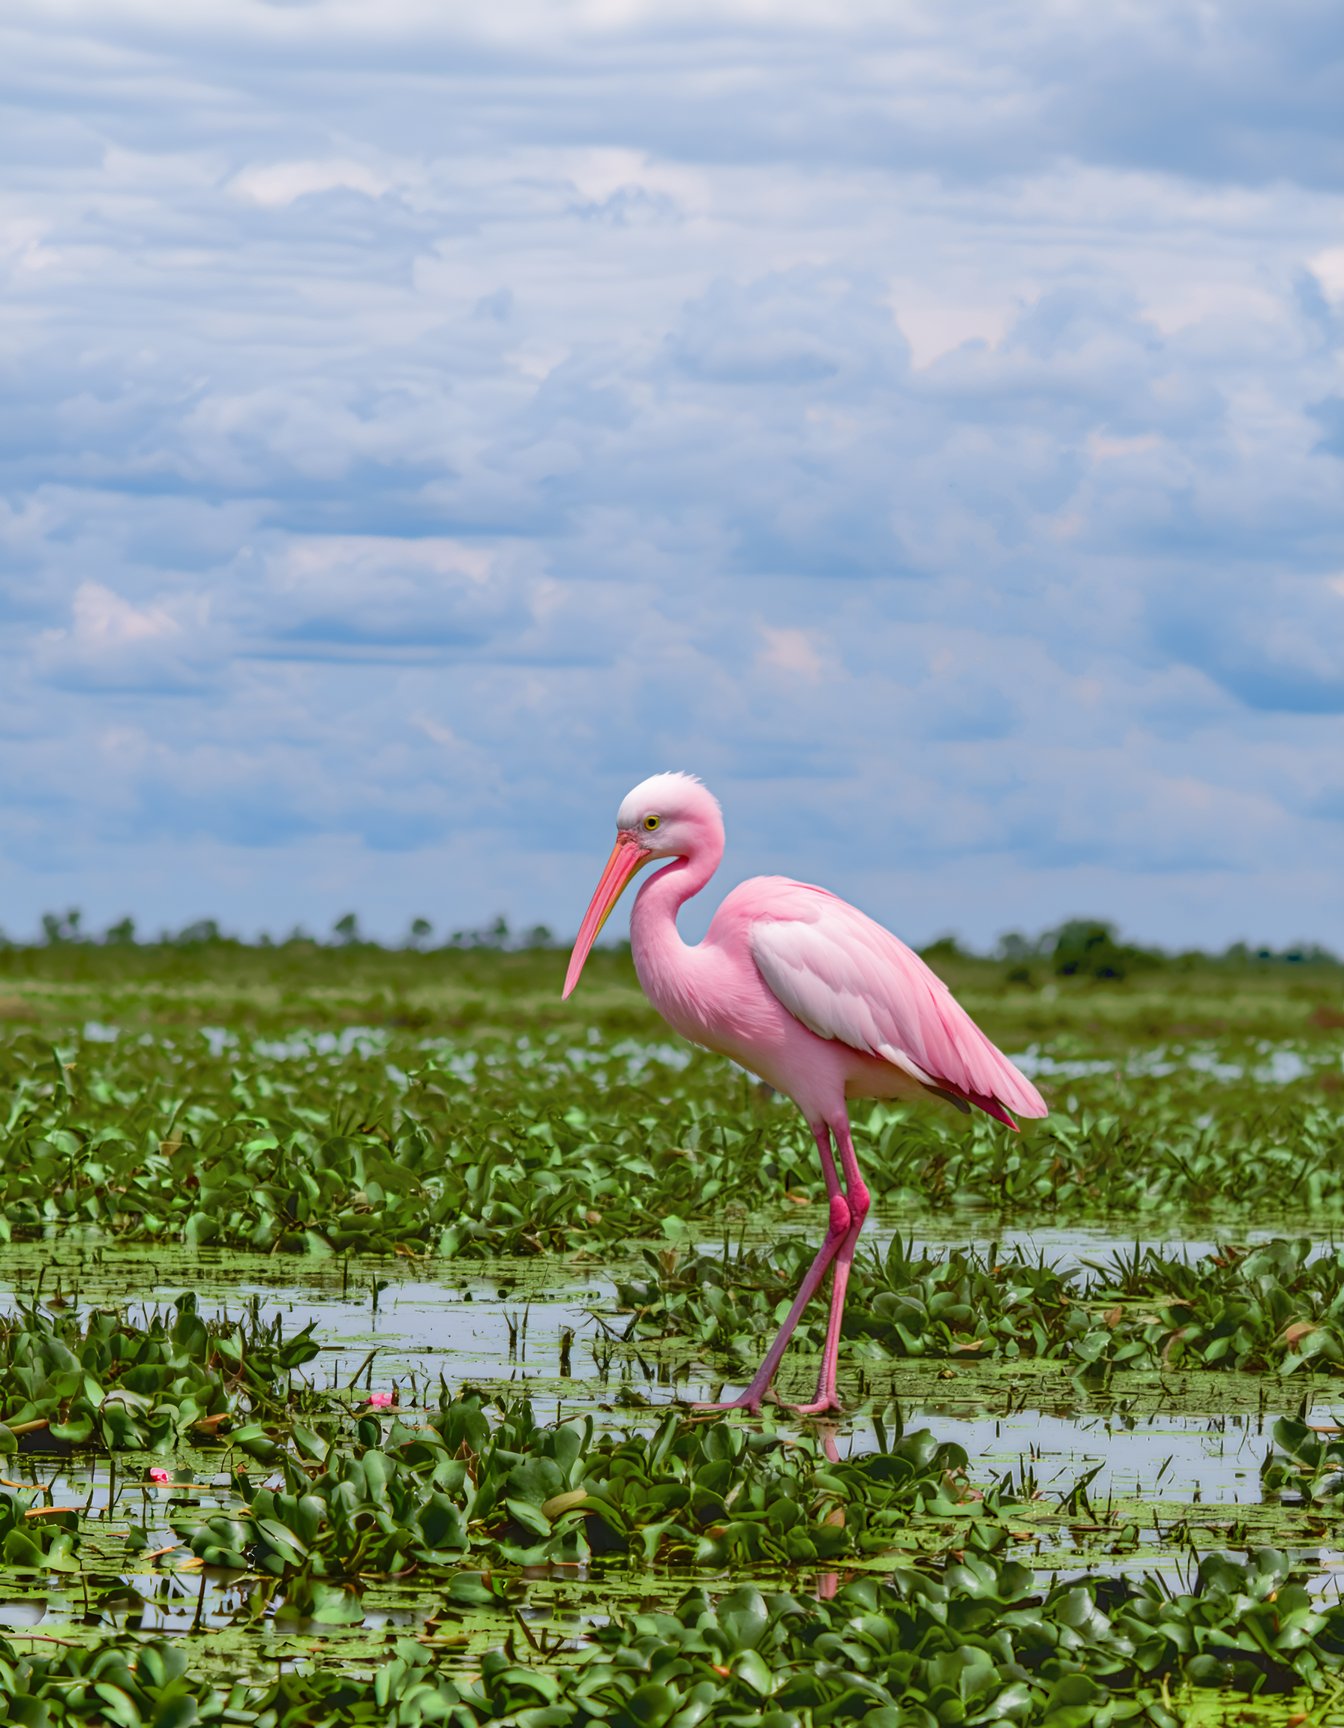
(655, 942)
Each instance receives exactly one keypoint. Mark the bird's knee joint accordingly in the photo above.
(860, 1203)
(840, 1216)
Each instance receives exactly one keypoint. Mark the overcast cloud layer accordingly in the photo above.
(926, 423)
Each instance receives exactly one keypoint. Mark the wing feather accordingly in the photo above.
(847, 978)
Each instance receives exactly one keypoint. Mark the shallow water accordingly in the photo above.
(1168, 1454)
(550, 1325)
(1264, 1063)
(553, 1330)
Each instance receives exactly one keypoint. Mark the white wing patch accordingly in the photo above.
(848, 979)
(808, 975)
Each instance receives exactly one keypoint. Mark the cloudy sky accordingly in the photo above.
(924, 422)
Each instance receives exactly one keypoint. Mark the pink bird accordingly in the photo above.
(804, 990)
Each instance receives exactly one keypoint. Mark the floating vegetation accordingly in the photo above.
(511, 1492)
(976, 1640)
(108, 1381)
(234, 1489)
(1306, 1463)
(1275, 1307)
(468, 1135)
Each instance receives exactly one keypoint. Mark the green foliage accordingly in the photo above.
(1080, 947)
(1305, 1463)
(338, 1098)
(497, 1485)
(1089, 948)
(1276, 1155)
(977, 1641)
(1277, 1307)
(371, 1141)
(36, 1536)
(106, 1381)
(313, 1152)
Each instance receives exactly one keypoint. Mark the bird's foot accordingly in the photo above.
(825, 1406)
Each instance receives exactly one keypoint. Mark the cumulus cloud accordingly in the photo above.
(112, 645)
(927, 429)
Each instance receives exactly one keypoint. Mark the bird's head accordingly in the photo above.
(665, 816)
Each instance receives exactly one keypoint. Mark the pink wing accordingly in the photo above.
(847, 978)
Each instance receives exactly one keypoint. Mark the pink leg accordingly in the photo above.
(858, 1199)
(838, 1232)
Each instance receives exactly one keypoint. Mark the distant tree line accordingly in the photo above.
(1078, 948)
(69, 927)
(1092, 948)
(420, 934)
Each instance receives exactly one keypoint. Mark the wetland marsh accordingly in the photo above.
(353, 1305)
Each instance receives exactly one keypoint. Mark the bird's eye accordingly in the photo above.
(651, 822)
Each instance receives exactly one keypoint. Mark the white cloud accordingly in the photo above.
(457, 414)
(112, 644)
(275, 184)
(1328, 268)
(104, 623)
(793, 652)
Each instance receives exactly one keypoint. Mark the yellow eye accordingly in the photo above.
(651, 822)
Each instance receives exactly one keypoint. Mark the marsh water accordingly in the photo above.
(1160, 1449)
(354, 1137)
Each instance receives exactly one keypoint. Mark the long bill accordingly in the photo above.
(627, 855)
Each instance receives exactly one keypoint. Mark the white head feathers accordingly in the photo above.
(669, 795)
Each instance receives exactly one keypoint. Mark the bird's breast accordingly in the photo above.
(717, 999)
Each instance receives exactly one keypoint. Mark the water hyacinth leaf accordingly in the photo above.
(744, 1617)
(530, 1517)
(118, 1706)
(504, 1130)
(653, 1704)
(496, 1138)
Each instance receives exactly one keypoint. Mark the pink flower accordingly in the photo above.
(158, 1474)
(379, 1400)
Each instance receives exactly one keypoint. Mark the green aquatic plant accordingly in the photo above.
(975, 1641)
(36, 1535)
(337, 1104)
(107, 1380)
(1278, 1306)
(494, 1484)
(278, 1124)
(1305, 1462)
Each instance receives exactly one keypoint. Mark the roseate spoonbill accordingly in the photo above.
(804, 990)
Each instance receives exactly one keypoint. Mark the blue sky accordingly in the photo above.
(926, 423)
